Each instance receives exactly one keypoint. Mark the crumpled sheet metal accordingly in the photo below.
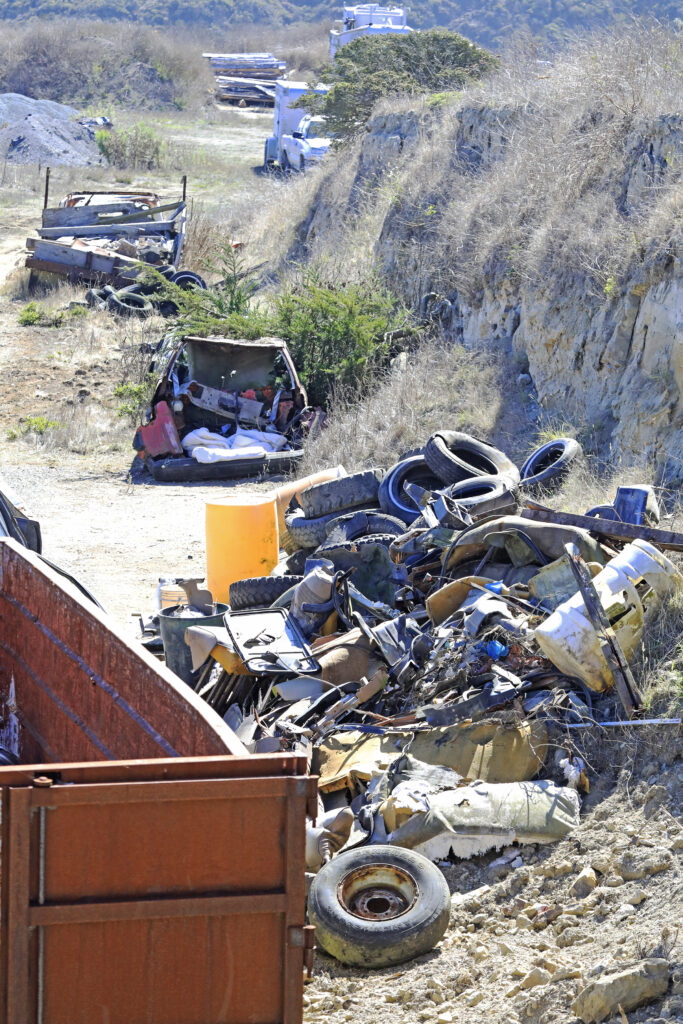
(472, 819)
(502, 533)
(484, 750)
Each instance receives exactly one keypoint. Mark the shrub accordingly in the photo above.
(337, 335)
(138, 147)
(136, 397)
(33, 314)
(371, 67)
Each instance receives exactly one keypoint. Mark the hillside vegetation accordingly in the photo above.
(490, 23)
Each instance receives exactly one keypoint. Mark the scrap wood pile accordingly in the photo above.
(246, 77)
(432, 635)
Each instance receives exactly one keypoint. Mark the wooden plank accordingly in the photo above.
(606, 528)
(159, 909)
(71, 216)
(72, 256)
(106, 230)
(177, 206)
(614, 656)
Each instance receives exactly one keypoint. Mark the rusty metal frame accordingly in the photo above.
(28, 792)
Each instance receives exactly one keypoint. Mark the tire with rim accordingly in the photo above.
(378, 905)
(550, 462)
(392, 497)
(453, 457)
(346, 492)
(260, 591)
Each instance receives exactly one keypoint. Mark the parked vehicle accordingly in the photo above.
(286, 121)
(305, 146)
(368, 20)
(224, 408)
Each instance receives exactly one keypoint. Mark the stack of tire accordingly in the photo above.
(373, 506)
(141, 299)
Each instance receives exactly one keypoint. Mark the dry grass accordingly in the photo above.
(548, 192)
(437, 386)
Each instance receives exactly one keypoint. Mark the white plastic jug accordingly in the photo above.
(628, 586)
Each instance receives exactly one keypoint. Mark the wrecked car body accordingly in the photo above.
(222, 409)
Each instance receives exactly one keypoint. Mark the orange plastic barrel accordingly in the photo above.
(241, 540)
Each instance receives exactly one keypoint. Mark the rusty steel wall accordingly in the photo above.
(158, 892)
(83, 693)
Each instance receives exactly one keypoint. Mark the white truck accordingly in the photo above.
(368, 20)
(298, 138)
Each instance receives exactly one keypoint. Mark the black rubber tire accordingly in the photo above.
(129, 304)
(385, 539)
(296, 563)
(489, 493)
(96, 297)
(377, 522)
(260, 591)
(285, 166)
(453, 457)
(306, 532)
(188, 280)
(355, 940)
(391, 496)
(346, 492)
(550, 462)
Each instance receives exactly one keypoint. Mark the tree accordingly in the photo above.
(375, 66)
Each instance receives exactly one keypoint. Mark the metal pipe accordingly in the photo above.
(47, 187)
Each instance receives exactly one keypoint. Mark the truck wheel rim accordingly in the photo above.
(378, 892)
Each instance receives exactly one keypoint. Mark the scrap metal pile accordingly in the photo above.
(430, 636)
(246, 77)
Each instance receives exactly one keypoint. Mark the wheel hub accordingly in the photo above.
(378, 892)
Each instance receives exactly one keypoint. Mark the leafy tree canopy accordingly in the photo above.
(375, 66)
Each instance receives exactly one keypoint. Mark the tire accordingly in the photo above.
(375, 522)
(392, 497)
(385, 539)
(129, 304)
(96, 298)
(302, 164)
(260, 591)
(378, 905)
(347, 492)
(550, 462)
(453, 457)
(188, 281)
(296, 563)
(284, 163)
(486, 494)
(308, 533)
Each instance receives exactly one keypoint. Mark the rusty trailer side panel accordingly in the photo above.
(81, 692)
(158, 892)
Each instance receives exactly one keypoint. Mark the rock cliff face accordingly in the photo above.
(609, 356)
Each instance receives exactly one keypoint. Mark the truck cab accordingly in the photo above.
(306, 145)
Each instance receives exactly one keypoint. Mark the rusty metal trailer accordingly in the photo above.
(164, 890)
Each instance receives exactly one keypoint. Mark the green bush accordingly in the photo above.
(136, 397)
(33, 314)
(139, 147)
(371, 67)
(336, 335)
